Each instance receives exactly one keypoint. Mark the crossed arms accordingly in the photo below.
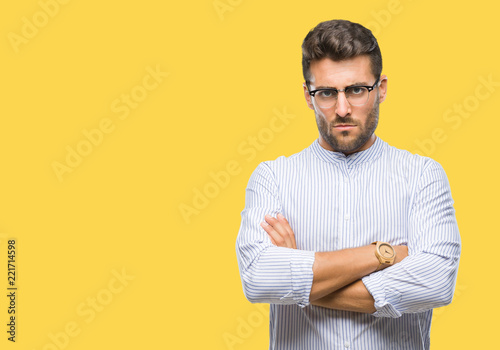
(423, 277)
(336, 283)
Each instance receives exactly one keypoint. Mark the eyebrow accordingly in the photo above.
(354, 84)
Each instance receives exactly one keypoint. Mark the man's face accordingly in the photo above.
(342, 127)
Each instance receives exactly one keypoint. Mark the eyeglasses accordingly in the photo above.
(356, 95)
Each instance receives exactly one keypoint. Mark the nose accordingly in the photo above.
(342, 108)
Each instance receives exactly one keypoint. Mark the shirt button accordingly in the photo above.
(347, 217)
(346, 344)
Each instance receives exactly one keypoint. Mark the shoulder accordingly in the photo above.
(286, 163)
(419, 170)
(411, 161)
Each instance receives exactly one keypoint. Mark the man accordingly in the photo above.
(329, 287)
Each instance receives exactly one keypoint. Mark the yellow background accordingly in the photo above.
(229, 73)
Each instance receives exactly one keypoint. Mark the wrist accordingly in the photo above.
(385, 254)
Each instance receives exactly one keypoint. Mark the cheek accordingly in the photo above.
(325, 120)
(327, 114)
(363, 114)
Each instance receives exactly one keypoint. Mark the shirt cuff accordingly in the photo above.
(301, 266)
(385, 297)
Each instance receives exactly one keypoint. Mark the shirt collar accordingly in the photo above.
(370, 154)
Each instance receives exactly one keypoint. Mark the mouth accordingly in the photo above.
(343, 127)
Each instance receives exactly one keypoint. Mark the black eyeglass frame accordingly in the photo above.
(369, 88)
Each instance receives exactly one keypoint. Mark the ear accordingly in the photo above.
(307, 96)
(382, 88)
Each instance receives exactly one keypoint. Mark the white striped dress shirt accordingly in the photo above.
(333, 202)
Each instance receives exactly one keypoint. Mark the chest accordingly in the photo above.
(337, 208)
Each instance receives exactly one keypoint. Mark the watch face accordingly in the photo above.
(386, 251)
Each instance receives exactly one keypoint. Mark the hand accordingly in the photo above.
(279, 231)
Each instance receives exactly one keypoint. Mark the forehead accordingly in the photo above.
(328, 73)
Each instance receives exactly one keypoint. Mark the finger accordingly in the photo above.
(267, 228)
(275, 237)
(287, 226)
(277, 232)
(272, 241)
(286, 231)
(280, 229)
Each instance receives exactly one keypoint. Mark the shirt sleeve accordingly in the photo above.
(426, 278)
(269, 274)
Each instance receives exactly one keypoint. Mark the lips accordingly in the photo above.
(342, 127)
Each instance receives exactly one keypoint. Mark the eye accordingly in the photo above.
(356, 90)
(326, 93)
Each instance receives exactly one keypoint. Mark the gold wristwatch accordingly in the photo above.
(385, 253)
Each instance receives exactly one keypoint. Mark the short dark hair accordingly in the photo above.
(340, 40)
